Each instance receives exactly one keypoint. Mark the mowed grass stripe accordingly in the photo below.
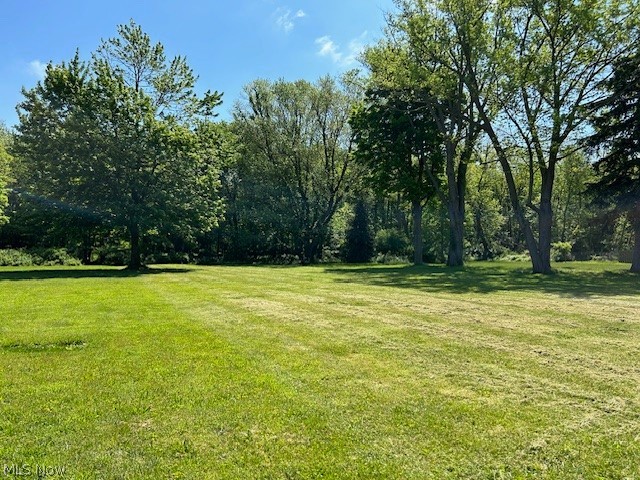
(289, 309)
(367, 389)
(143, 389)
(524, 340)
(235, 372)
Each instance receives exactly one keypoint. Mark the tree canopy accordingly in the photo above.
(400, 146)
(529, 69)
(120, 138)
(297, 141)
(468, 128)
(5, 161)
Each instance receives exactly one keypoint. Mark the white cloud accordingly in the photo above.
(346, 58)
(285, 18)
(37, 69)
(328, 49)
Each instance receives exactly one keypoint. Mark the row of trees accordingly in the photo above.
(470, 133)
(520, 76)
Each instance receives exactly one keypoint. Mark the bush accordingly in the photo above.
(561, 252)
(391, 259)
(115, 255)
(509, 256)
(54, 256)
(15, 258)
(391, 241)
(42, 256)
(167, 257)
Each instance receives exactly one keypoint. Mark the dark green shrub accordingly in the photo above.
(168, 257)
(116, 255)
(391, 259)
(54, 256)
(391, 241)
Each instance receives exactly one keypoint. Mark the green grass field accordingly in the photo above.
(321, 372)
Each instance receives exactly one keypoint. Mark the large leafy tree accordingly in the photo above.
(296, 161)
(122, 138)
(617, 126)
(529, 68)
(399, 143)
(409, 60)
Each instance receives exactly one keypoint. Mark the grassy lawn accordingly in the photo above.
(322, 372)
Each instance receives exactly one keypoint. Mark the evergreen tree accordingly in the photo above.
(5, 161)
(359, 242)
(617, 130)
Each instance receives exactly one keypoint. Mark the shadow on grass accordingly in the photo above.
(487, 278)
(61, 272)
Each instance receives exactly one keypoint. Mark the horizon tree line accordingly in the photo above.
(473, 134)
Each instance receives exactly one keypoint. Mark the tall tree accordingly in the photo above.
(401, 62)
(297, 145)
(617, 124)
(529, 68)
(400, 146)
(120, 138)
(358, 246)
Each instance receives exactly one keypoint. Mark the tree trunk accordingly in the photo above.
(457, 190)
(540, 265)
(416, 213)
(401, 218)
(545, 219)
(545, 222)
(87, 248)
(135, 262)
(455, 257)
(540, 257)
(310, 249)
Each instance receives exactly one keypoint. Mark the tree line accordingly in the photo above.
(477, 130)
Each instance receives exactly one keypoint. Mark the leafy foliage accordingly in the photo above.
(295, 168)
(530, 69)
(118, 140)
(398, 142)
(561, 251)
(4, 179)
(43, 256)
(400, 146)
(391, 241)
(5, 164)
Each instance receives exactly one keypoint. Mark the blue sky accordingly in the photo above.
(227, 43)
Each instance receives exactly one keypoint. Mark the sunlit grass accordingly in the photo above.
(322, 372)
